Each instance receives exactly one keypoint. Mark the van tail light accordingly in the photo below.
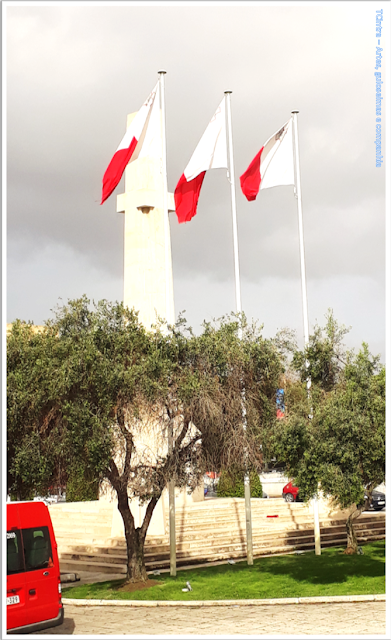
(59, 589)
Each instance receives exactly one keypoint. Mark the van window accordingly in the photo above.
(37, 548)
(14, 552)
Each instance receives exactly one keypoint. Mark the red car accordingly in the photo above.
(33, 571)
(290, 493)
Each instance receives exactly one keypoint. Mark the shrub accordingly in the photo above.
(231, 484)
(80, 489)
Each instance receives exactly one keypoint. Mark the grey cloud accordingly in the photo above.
(74, 73)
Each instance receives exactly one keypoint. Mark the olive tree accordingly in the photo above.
(333, 439)
(97, 394)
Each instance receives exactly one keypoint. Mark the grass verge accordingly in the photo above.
(291, 576)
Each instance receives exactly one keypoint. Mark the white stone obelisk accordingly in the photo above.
(147, 272)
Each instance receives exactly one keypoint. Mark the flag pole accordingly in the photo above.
(247, 492)
(301, 232)
(304, 300)
(169, 319)
(233, 204)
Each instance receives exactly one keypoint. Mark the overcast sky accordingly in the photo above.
(75, 71)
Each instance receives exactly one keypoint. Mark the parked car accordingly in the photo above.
(33, 571)
(378, 500)
(290, 493)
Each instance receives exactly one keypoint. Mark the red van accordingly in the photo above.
(33, 571)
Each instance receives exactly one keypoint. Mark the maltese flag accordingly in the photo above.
(142, 138)
(211, 153)
(272, 166)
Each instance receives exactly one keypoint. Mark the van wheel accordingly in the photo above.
(289, 497)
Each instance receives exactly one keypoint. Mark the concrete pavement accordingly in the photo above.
(350, 615)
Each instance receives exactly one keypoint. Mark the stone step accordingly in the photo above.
(267, 537)
(84, 532)
(227, 520)
(263, 541)
(221, 518)
(239, 507)
(102, 558)
(228, 503)
(208, 546)
(206, 532)
(93, 566)
(104, 542)
(239, 550)
(224, 503)
(257, 533)
(272, 528)
(360, 526)
(190, 550)
(268, 518)
(203, 514)
(220, 512)
(232, 551)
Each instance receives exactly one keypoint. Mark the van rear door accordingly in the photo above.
(41, 575)
(42, 571)
(16, 584)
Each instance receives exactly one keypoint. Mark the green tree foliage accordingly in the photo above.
(94, 398)
(231, 484)
(324, 358)
(333, 440)
(32, 447)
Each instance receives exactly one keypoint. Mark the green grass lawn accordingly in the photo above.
(291, 576)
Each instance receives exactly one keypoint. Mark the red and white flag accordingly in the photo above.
(142, 138)
(272, 166)
(210, 153)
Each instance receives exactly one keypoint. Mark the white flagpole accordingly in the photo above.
(233, 203)
(301, 232)
(169, 319)
(247, 492)
(304, 299)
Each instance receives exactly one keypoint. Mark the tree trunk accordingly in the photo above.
(352, 544)
(136, 571)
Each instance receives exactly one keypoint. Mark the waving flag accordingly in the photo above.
(211, 153)
(272, 166)
(142, 138)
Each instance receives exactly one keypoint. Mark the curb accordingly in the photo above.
(224, 603)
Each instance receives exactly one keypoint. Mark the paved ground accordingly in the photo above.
(352, 618)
